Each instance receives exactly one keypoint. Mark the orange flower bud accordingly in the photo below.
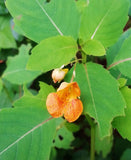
(65, 102)
(59, 74)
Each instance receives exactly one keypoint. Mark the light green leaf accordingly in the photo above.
(93, 47)
(16, 71)
(122, 124)
(52, 53)
(6, 38)
(37, 101)
(39, 19)
(97, 86)
(123, 59)
(81, 5)
(101, 143)
(126, 155)
(63, 138)
(104, 20)
(26, 134)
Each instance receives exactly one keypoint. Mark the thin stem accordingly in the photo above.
(73, 75)
(7, 93)
(92, 153)
(20, 91)
(92, 125)
(74, 61)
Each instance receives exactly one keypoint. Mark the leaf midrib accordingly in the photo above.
(50, 19)
(93, 35)
(24, 135)
(91, 92)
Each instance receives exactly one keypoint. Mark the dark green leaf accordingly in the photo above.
(26, 134)
(97, 86)
(16, 71)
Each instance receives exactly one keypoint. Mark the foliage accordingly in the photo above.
(91, 42)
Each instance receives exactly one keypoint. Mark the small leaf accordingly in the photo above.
(16, 71)
(93, 47)
(26, 133)
(122, 124)
(63, 138)
(104, 21)
(97, 85)
(52, 53)
(44, 19)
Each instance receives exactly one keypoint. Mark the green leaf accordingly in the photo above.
(39, 19)
(101, 143)
(129, 8)
(72, 127)
(1, 86)
(126, 155)
(104, 21)
(97, 86)
(35, 101)
(93, 47)
(26, 133)
(122, 124)
(6, 38)
(123, 59)
(81, 5)
(16, 71)
(113, 51)
(52, 53)
(63, 138)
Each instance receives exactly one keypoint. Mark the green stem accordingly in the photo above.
(92, 125)
(7, 93)
(92, 153)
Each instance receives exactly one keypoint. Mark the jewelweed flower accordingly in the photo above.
(58, 74)
(65, 102)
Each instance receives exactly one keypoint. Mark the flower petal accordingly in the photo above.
(73, 110)
(54, 105)
(68, 91)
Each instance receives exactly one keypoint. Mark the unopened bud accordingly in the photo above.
(59, 74)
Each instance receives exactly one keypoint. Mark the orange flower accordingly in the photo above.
(65, 102)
